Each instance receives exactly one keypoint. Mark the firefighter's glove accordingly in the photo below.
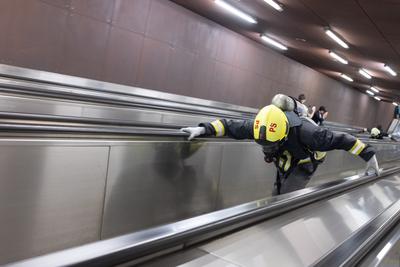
(372, 166)
(194, 131)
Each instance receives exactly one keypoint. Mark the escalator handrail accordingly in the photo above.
(350, 252)
(29, 123)
(187, 232)
(28, 80)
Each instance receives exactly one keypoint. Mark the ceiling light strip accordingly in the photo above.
(336, 38)
(373, 88)
(338, 58)
(377, 98)
(394, 103)
(369, 92)
(390, 70)
(235, 11)
(364, 73)
(273, 42)
(344, 76)
(274, 4)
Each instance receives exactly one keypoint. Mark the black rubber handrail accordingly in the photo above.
(141, 131)
(96, 96)
(84, 94)
(37, 123)
(353, 249)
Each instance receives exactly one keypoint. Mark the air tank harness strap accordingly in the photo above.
(315, 162)
(295, 105)
(278, 182)
(283, 173)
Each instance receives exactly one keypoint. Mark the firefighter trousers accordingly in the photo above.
(297, 179)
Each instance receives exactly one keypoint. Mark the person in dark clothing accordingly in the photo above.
(396, 114)
(320, 116)
(378, 133)
(295, 144)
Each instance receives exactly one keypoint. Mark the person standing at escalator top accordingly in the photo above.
(302, 108)
(396, 113)
(296, 145)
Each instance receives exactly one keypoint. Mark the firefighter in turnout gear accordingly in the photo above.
(296, 145)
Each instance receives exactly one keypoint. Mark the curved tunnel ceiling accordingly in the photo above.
(370, 27)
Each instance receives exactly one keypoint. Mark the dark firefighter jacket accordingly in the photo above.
(306, 142)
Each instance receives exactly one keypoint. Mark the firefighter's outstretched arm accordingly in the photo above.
(237, 129)
(321, 139)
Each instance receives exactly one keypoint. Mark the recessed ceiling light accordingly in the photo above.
(344, 76)
(301, 39)
(364, 73)
(390, 70)
(369, 92)
(273, 42)
(336, 38)
(338, 58)
(377, 98)
(235, 11)
(274, 4)
(394, 103)
(374, 89)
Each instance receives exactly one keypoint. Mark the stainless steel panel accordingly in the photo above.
(122, 114)
(301, 237)
(182, 119)
(51, 197)
(336, 165)
(158, 182)
(99, 86)
(39, 106)
(16, 104)
(191, 257)
(149, 183)
(245, 176)
(209, 261)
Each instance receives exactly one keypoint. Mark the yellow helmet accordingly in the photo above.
(270, 125)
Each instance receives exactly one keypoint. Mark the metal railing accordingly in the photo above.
(175, 236)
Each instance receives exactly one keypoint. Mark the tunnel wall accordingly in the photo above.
(156, 44)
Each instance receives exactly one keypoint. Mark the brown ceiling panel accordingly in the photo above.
(370, 27)
(131, 15)
(386, 18)
(58, 3)
(122, 66)
(98, 9)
